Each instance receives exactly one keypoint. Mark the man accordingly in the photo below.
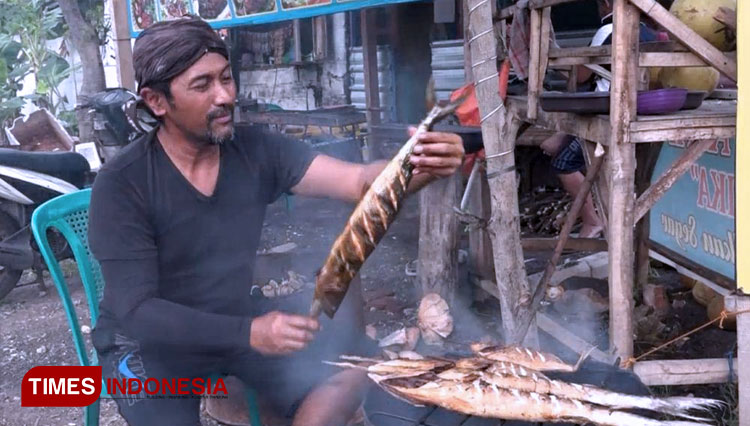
(175, 223)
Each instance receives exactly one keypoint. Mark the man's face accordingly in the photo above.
(203, 97)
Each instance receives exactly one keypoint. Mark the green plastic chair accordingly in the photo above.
(69, 215)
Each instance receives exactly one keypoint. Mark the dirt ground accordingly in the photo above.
(34, 331)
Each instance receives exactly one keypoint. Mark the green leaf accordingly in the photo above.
(3, 71)
(54, 70)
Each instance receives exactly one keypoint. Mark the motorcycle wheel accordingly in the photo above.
(8, 277)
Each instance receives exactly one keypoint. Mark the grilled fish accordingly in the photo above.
(370, 220)
(501, 389)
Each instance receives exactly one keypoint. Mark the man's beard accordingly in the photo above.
(215, 138)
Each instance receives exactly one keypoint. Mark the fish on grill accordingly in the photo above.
(500, 389)
(529, 358)
(369, 222)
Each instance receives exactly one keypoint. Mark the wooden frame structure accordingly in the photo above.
(619, 132)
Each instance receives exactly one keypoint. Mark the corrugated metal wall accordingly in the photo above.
(386, 81)
(447, 67)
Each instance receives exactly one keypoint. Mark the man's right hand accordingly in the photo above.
(277, 333)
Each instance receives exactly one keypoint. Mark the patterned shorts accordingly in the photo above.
(570, 158)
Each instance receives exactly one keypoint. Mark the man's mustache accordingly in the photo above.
(220, 112)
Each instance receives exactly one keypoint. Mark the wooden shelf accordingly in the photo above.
(714, 119)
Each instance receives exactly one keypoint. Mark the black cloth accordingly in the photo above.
(280, 382)
(178, 265)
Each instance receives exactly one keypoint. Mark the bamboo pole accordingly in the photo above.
(622, 175)
(677, 169)
(499, 130)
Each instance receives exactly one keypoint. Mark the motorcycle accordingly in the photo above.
(28, 179)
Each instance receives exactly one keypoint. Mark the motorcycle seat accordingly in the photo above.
(68, 166)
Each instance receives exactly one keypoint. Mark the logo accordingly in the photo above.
(78, 386)
(61, 386)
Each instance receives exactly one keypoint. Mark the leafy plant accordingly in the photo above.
(25, 28)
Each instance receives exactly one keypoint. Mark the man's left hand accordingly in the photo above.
(437, 153)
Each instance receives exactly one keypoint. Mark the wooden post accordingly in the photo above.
(468, 77)
(298, 41)
(622, 172)
(320, 33)
(535, 30)
(741, 303)
(438, 238)
(370, 58)
(481, 259)
(646, 156)
(499, 129)
(125, 71)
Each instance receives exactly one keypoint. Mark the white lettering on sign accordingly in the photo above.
(682, 232)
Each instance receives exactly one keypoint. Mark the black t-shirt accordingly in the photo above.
(178, 265)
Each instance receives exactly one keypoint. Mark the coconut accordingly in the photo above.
(692, 78)
(699, 16)
(703, 294)
(435, 320)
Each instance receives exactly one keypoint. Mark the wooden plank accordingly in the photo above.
(711, 132)
(741, 303)
(544, 43)
(590, 127)
(541, 4)
(670, 176)
(622, 189)
(571, 339)
(498, 134)
(535, 80)
(645, 59)
(687, 36)
(606, 50)
(671, 59)
(684, 372)
(508, 12)
(572, 244)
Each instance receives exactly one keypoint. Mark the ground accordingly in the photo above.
(34, 330)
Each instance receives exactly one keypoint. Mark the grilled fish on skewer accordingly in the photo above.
(529, 358)
(516, 377)
(369, 222)
(481, 398)
(505, 390)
